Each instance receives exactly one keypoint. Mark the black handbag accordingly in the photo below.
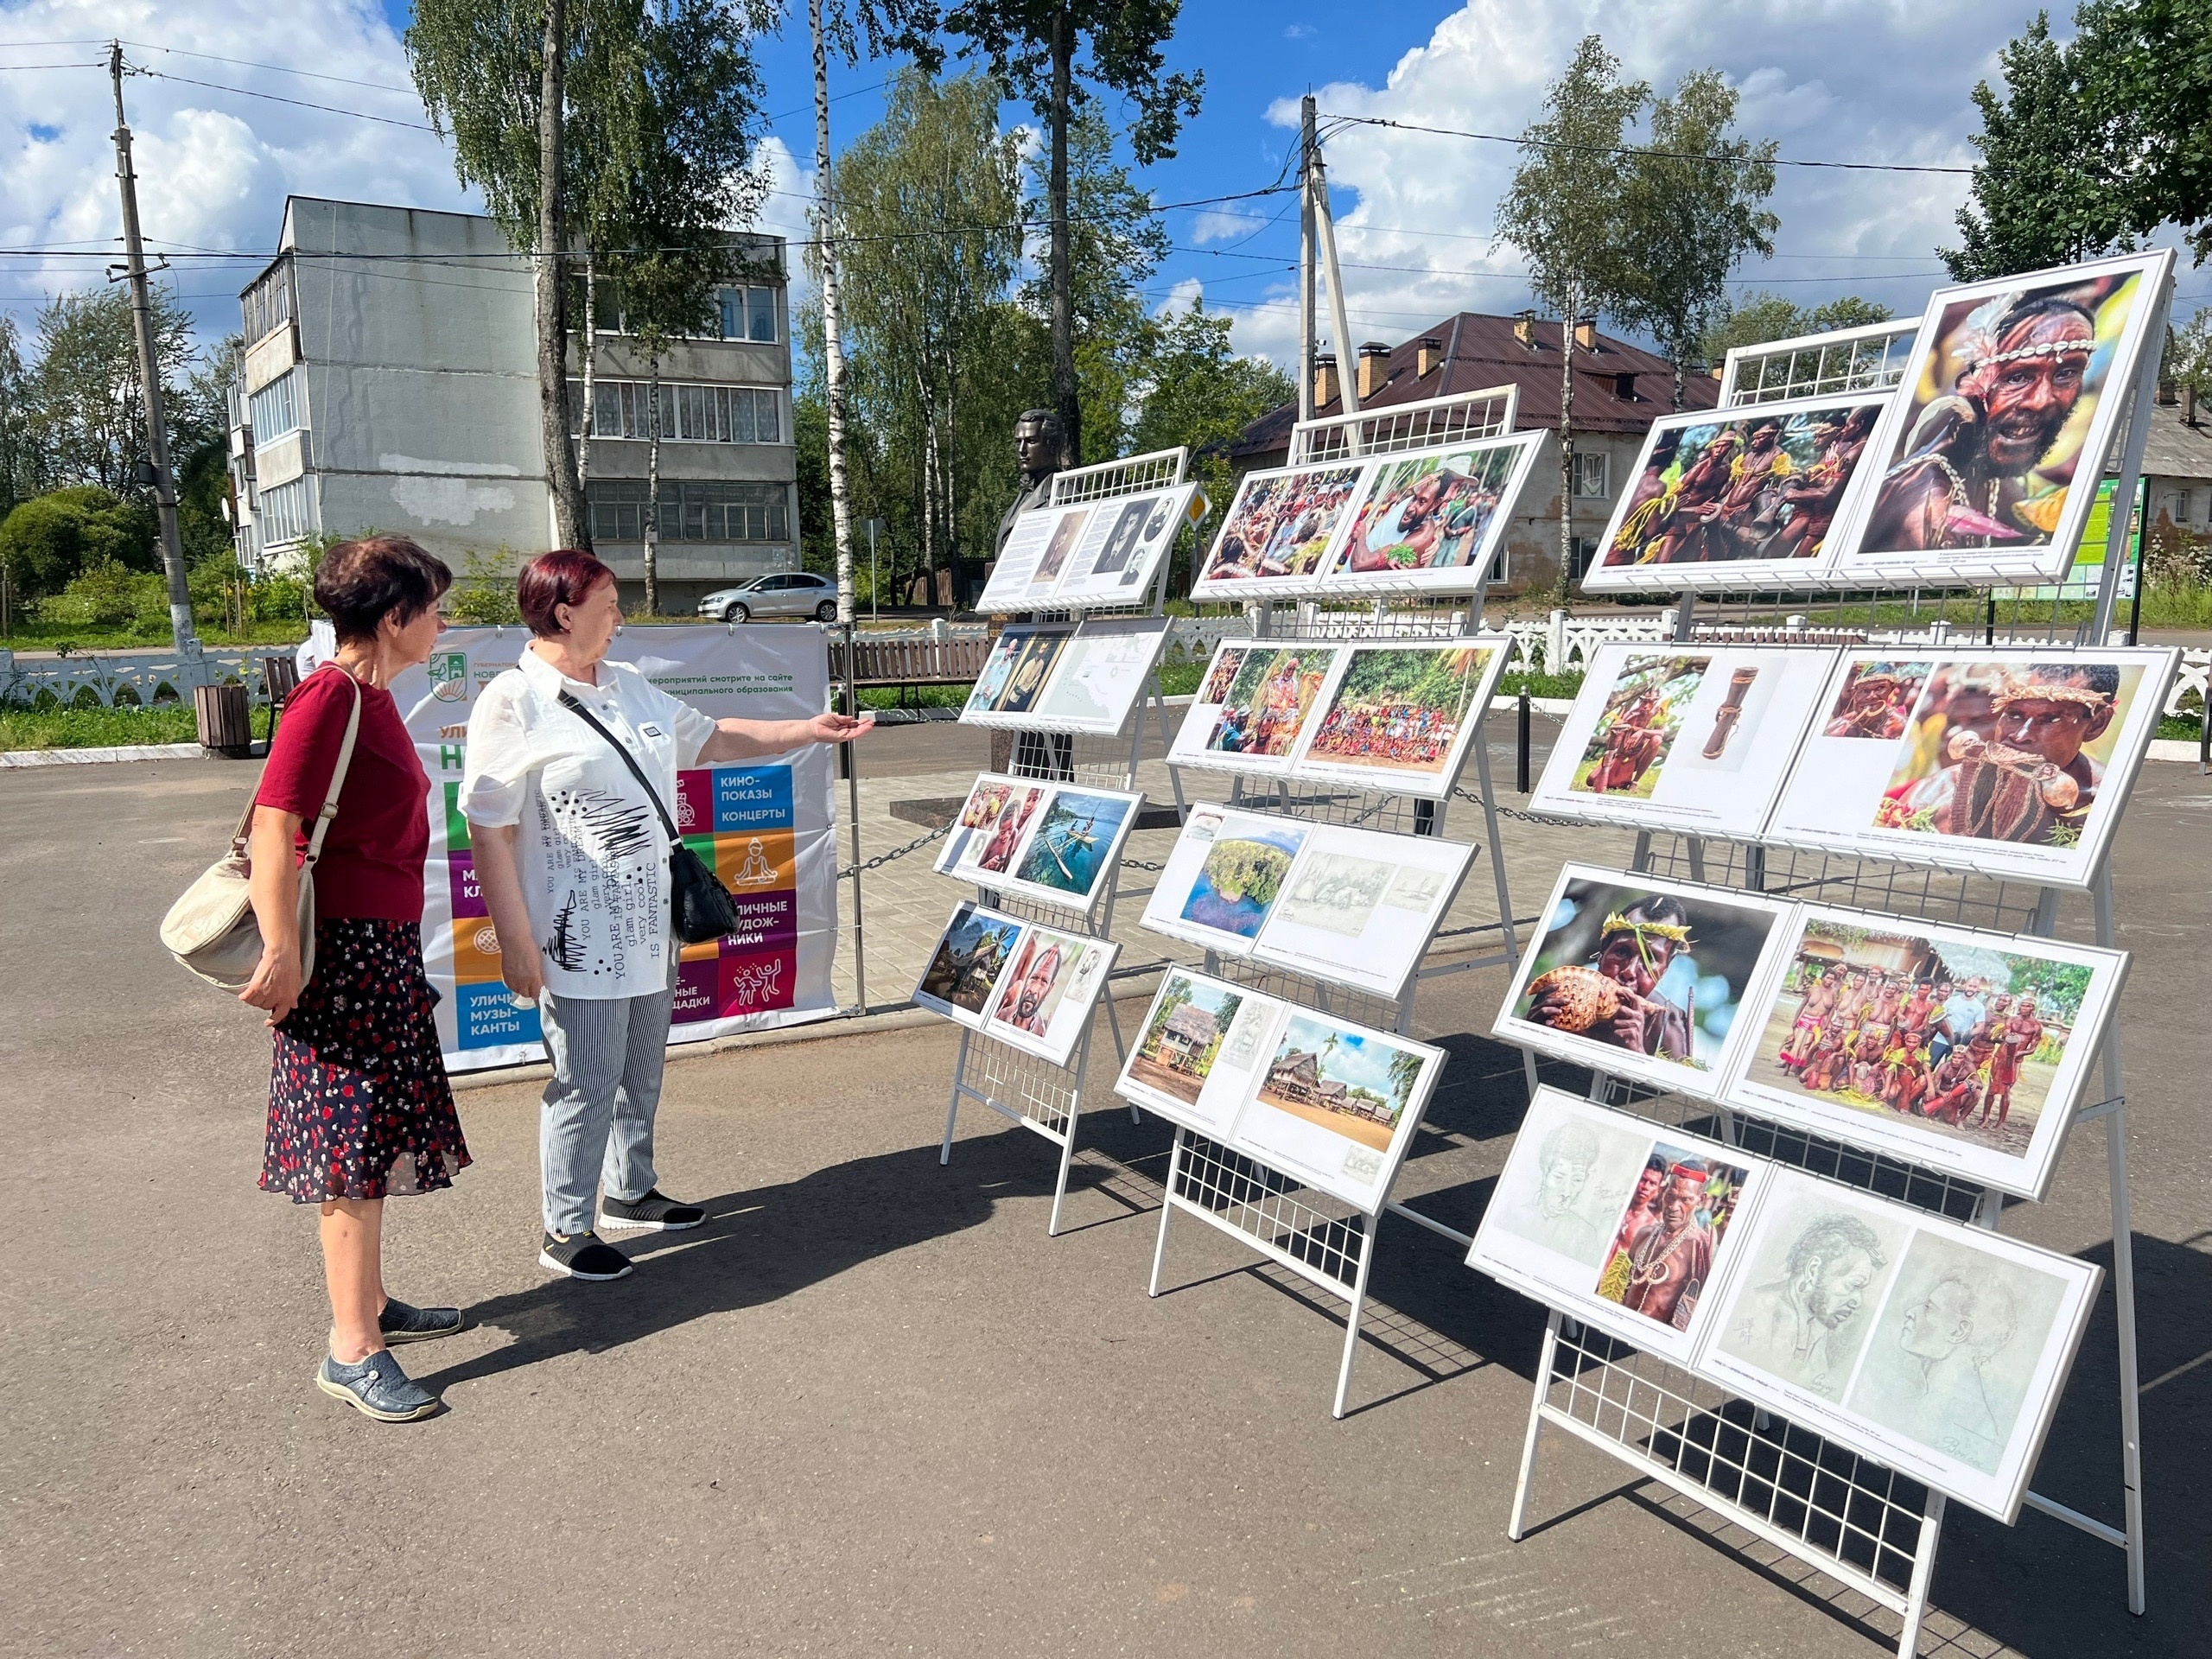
(701, 906)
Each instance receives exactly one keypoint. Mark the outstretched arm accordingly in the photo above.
(741, 740)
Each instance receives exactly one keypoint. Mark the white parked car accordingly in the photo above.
(793, 592)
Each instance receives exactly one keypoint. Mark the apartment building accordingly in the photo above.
(391, 383)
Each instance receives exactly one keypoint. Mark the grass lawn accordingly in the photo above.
(105, 729)
(51, 636)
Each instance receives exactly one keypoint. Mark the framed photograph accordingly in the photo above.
(1223, 876)
(1252, 710)
(1099, 675)
(1278, 531)
(1403, 717)
(1337, 1104)
(1697, 739)
(992, 830)
(1624, 1223)
(1358, 906)
(1953, 1049)
(1014, 573)
(1985, 465)
(1432, 521)
(1115, 550)
(1044, 998)
(1020, 662)
(1937, 1349)
(1198, 1054)
(2012, 762)
(967, 962)
(1644, 978)
(1740, 498)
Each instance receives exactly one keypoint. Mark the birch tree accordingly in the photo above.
(1566, 212)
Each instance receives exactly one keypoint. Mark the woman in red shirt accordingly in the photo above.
(359, 1104)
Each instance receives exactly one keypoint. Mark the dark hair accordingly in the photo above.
(1047, 418)
(552, 580)
(1831, 1235)
(360, 583)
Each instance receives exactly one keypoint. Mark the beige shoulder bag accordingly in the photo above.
(212, 930)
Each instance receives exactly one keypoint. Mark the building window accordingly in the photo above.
(688, 413)
(1591, 481)
(273, 410)
(749, 314)
(711, 511)
(1580, 550)
(285, 513)
(268, 304)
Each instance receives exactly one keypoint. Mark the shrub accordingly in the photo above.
(483, 594)
(48, 541)
(107, 595)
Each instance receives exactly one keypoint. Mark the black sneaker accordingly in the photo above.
(654, 1213)
(376, 1388)
(584, 1256)
(403, 1322)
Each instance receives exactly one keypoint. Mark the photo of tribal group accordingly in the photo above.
(2002, 406)
(1265, 698)
(1651, 973)
(1183, 1037)
(2012, 751)
(1960, 1039)
(968, 959)
(1352, 1084)
(1429, 514)
(1280, 525)
(1399, 710)
(1876, 701)
(1635, 734)
(1662, 1248)
(1758, 487)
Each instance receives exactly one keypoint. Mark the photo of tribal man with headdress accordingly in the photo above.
(1265, 705)
(1953, 1037)
(1430, 513)
(2009, 751)
(1759, 486)
(2004, 399)
(1654, 972)
(1636, 732)
(1661, 1256)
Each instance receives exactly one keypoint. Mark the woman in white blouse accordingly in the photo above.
(573, 861)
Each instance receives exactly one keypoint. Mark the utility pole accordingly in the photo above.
(149, 378)
(1306, 343)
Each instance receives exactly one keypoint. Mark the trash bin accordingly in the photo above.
(225, 721)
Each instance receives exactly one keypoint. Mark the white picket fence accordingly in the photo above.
(1557, 644)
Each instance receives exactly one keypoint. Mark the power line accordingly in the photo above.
(272, 97)
(276, 68)
(1625, 150)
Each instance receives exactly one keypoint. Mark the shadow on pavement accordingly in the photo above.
(758, 1246)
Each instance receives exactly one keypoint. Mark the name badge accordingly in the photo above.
(650, 731)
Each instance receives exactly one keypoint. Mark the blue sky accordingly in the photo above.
(1860, 80)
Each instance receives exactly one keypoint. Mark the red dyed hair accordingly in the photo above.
(561, 577)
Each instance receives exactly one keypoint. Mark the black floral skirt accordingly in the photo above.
(359, 1104)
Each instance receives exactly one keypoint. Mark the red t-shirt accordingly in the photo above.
(372, 863)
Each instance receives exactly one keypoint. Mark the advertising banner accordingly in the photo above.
(765, 825)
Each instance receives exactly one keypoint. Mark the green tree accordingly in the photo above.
(47, 541)
(1756, 317)
(673, 134)
(2043, 193)
(1045, 51)
(86, 418)
(18, 454)
(1694, 206)
(1568, 213)
(929, 206)
(501, 77)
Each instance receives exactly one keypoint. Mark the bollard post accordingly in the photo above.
(1521, 747)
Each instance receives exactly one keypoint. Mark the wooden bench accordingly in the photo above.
(907, 662)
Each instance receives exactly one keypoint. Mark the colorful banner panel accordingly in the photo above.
(767, 827)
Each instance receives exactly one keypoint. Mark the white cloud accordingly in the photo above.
(1828, 79)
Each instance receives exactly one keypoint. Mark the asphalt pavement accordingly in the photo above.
(870, 1407)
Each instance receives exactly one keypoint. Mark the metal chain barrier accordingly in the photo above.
(881, 859)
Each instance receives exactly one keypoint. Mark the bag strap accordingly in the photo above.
(337, 777)
(241, 836)
(569, 701)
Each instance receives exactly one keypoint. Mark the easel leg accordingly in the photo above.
(1367, 1228)
(1640, 859)
(1082, 1063)
(1166, 1209)
(1923, 1573)
(1496, 853)
(1518, 1523)
(952, 1112)
(1697, 858)
(2123, 1271)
